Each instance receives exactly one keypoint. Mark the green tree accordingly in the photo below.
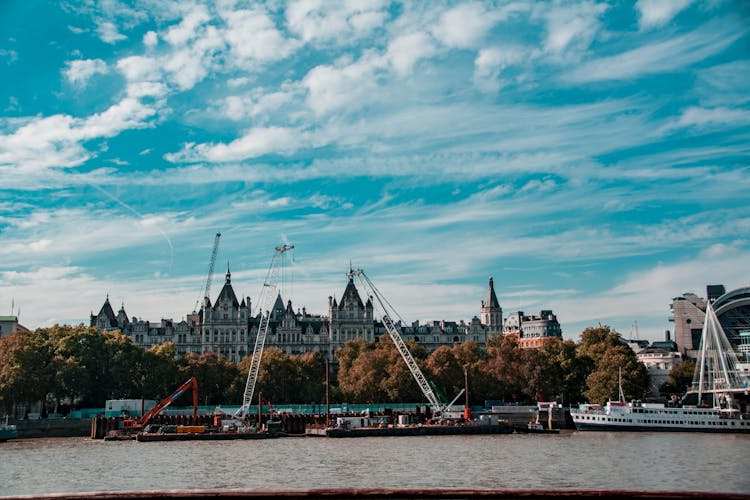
(83, 363)
(512, 368)
(25, 374)
(563, 373)
(680, 379)
(278, 377)
(126, 366)
(214, 374)
(445, 370)
(611, 359)
(160, 373)
(311, 368)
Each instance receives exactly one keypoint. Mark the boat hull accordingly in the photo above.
(660, 428)
(425, 430)
(7, 433)
(208, 436)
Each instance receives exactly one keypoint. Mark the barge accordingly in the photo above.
(205, 436)
(375, 427)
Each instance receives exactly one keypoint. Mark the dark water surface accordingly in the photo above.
(578, 460)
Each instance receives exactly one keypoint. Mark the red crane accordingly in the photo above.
(131, 424)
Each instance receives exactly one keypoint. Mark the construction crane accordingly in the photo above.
(389, 313)
(212, 263)
(132, 425)
(265, 302)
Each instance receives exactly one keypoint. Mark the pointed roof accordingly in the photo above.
(122, 316)
(491, 300)
(227, 292)
(107, 311)
(350, 295)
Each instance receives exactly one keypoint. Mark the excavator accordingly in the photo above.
(129, 426)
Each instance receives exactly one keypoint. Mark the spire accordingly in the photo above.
(491, 297)
(229, 274)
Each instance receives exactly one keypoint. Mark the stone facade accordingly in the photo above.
(532, 331)
(659, 359)
(9, 324)
(229, 326)
(688, 312)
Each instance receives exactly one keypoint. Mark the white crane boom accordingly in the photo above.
(211, 265)
(265, 302)
(393, 331)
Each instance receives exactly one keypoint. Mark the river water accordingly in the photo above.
(570, 460)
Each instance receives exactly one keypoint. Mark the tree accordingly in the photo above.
(445, 370)
(611, 359)
(83, 363)
(512, 369)
(25, 375)
(160, 373)
(126, 371)
(311, 367)
(562, 372)
(213, 372)
(680, 379)
(278, 377)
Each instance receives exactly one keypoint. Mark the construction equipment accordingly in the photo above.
(131, 425)
(265, 301)
(211, 265)
(393, 330)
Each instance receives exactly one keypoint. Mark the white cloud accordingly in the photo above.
(490, 63)
(572, 26)
(11, 56)
(139, 68)
(258, 105)
(340, 21)
(253, 36)
(150, 39)
(657, 13)
(406, 50)
(108, 32)
(466, 25)
(709, 118)
(331, 88)
(56, 141)
(190, 65)
(189, 28)
(256, 142)
(81, 70)
(85, 293)
(659, 57)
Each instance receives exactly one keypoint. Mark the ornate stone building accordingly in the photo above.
(229, 326)
(532, 331)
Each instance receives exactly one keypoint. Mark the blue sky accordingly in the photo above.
(591, 156)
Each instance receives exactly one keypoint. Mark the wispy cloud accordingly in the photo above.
(657, 13)
(574, 150)
(662, 56)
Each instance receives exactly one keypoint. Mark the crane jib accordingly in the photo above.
(393, 332)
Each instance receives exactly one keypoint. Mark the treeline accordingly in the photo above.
(81, 365)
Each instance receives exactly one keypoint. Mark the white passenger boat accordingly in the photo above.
(619, 416)
(716, 379)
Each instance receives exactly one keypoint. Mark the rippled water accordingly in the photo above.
(590, 460)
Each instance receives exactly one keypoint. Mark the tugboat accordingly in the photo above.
(536, 427)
